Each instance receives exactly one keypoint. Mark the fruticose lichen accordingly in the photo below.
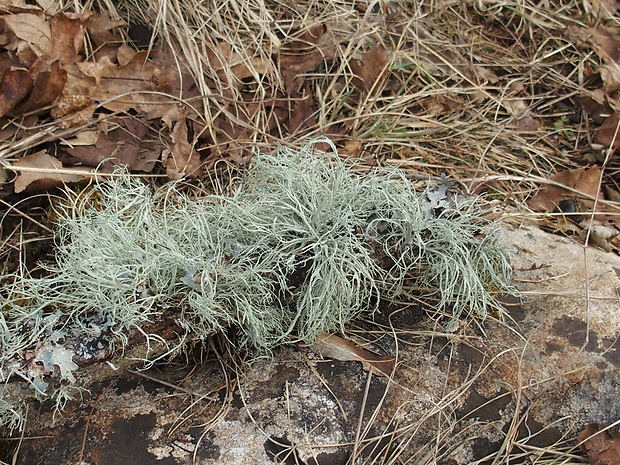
(305, 245)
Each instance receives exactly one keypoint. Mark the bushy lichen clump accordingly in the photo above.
(304, 246)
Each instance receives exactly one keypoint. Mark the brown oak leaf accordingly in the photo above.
(40, 172)
(601, 447)
(332, 346)
(183, 159)
(371, 70)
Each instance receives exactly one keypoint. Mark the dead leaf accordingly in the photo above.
(603, 236)
(601, 447)
(611, 194)
(81, 138)
(50, 7)
(40, 172)
(32, 29)
(140, 83)
(182, 160)
(123, 145)
(302, 111)
(17, 6)
(601, 39)
(106, 42)
(371, 71)
(49, 82)
(609, 132)
(584, 180)
(604, 229)
(100, 26)
(303, 55)
(516, 107)
(352, 148)
(67, 33)
(15, 85)
(125, 54)
(73, 110)
(75, 105)
(332, 346)
(598, 110)
(604, 9)
(528, 124)
(96, 69)
(221, 57)
(606, 44)
(611, 78)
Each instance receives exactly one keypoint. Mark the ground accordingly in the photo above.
(514, 101)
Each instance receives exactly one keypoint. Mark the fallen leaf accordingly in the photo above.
(601, 39)
(106, 42)
(17, 6)
(96, 69)
(15, 85)
(75, 105)
(352, 148)
(125, 54)
(302, 111)
(604, 9)
(49, 81)
(221, 58)
(601, 447)
(601, 229)
(484, 74)
(182, 160)
(67, 33)
(81, 138)
(40, 172)
(606, 44)
(123, 145)
(139, 85)
(528, 124)
(371, 70)
(584, 180)
(611, 194)
(73, 110)
(611, 78)
(609, 132)
(603, 236)
(50, 7)
(516, 107)
(303, 55)
(101, 24)
(33, 29)
(332, 346)
(598, 110)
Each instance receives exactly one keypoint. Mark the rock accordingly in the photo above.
(457, 395)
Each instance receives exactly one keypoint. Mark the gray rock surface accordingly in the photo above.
(457, 395)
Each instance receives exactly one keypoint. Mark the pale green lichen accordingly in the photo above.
(304, 246)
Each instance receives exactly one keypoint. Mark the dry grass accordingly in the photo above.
(463, 74)
(475, 89)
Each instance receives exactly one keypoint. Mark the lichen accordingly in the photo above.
(304, 246)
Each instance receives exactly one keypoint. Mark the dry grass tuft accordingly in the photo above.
(474, 89)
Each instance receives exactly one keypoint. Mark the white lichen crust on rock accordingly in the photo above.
(305, 245)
